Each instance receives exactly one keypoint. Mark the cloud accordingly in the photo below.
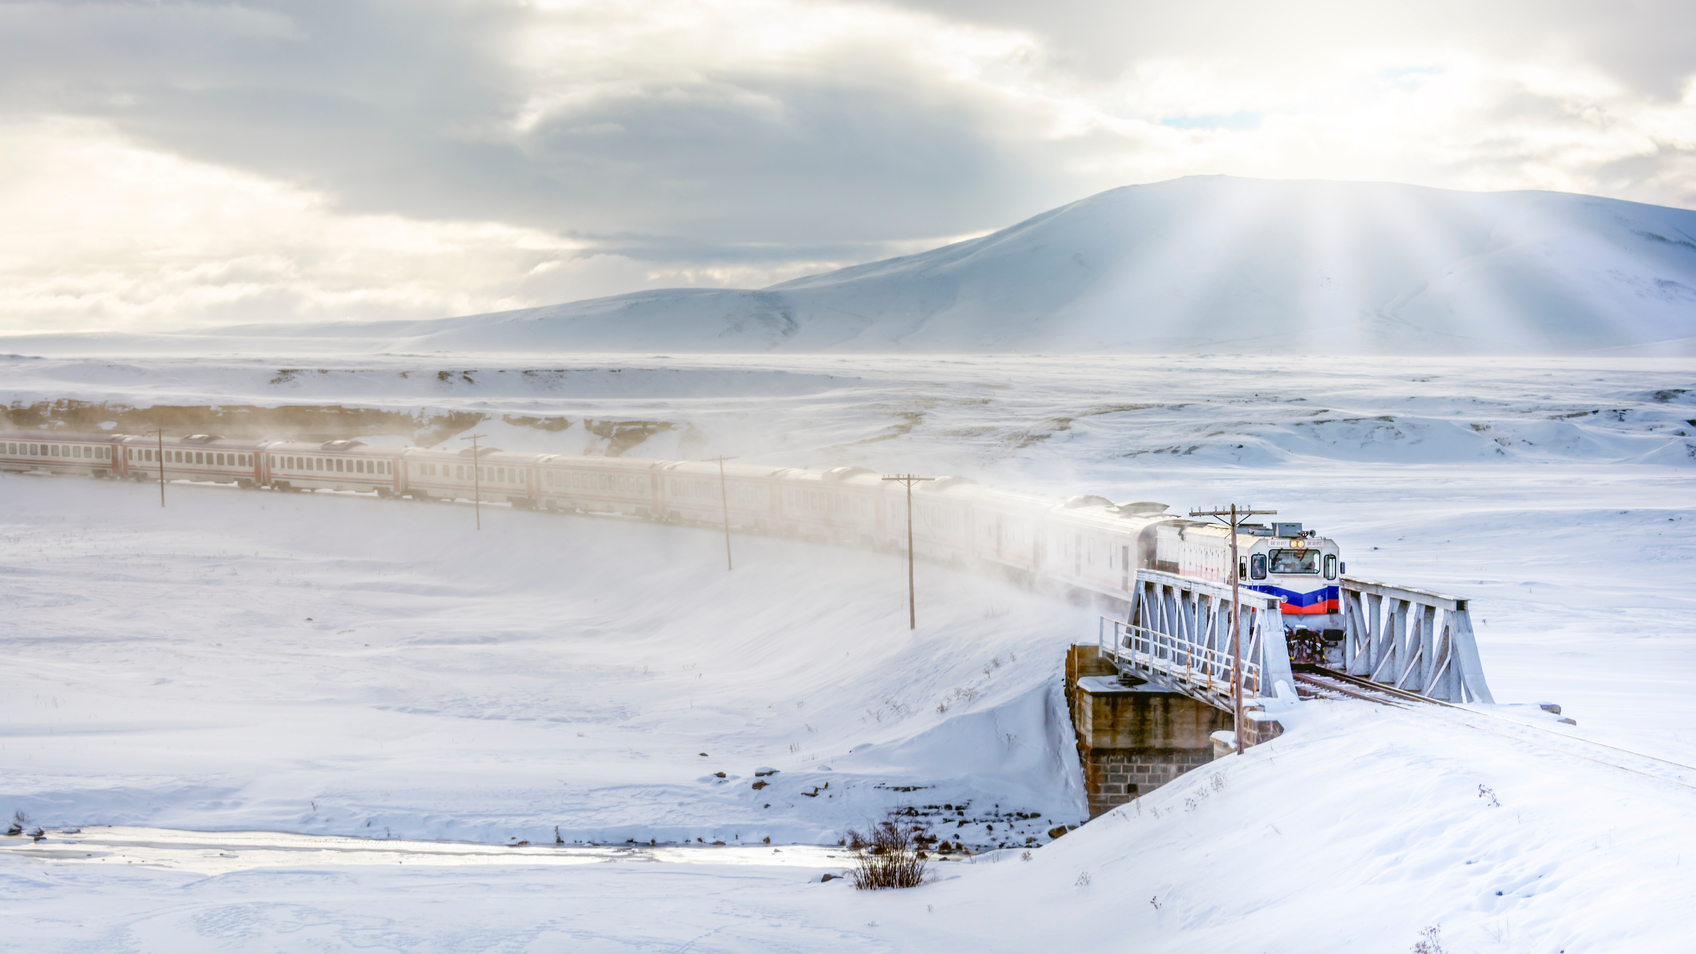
(366, 158)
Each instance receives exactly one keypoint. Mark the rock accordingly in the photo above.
(760, 784)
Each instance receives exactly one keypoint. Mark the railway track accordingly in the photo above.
(1314, 682)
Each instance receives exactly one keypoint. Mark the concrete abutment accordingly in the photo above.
(1132, 739)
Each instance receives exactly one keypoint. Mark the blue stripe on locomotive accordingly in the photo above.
(1322, 600)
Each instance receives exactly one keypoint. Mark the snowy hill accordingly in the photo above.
(1210, 263)
(1204, 264)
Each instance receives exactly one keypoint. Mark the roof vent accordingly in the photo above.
(1140, 507)
(202, 438)
(1286, 529)
(941, 482)
(843, 473)
(1086, 500)
(342, 445)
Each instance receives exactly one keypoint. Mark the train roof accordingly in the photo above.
(333, 447)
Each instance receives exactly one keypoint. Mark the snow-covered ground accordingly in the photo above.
(339, 665)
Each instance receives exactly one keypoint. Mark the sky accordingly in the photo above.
(180, 164)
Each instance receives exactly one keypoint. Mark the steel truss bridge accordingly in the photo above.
(1177, 635)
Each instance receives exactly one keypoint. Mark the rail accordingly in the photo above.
(1178, 634)
(1413, 640)
(1198, 671)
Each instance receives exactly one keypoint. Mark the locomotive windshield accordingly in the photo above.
(1295, 561)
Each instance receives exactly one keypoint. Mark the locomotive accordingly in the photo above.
(1084, 545)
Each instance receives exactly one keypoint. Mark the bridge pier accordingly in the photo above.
(1132, 739)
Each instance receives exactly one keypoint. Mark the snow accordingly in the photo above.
(331, 665)
(1199, 264)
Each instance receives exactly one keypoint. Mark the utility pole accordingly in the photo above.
(724, 500)
(160, 432)
(912, 606)
(1235, 517)
(476, 481)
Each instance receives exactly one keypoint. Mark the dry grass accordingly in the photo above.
(889, 854)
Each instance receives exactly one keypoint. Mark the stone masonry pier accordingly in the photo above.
(1132, 739)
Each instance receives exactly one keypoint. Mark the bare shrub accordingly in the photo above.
(889, 854)
(1430, 941)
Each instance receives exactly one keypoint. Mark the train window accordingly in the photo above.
(1295, 561)
(1257, 566)
(53, 450)
(1330, 566)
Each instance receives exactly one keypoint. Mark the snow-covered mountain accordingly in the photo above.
(1204, 264)
(1199, 263)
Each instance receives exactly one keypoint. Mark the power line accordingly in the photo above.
(724, 500)
(912, 609)
(1233, 518)
(476, 480)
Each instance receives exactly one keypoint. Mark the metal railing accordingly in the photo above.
(1415, 640)
(1200, 671)
(1178, 634)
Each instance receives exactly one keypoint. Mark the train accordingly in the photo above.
(1085, 545)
